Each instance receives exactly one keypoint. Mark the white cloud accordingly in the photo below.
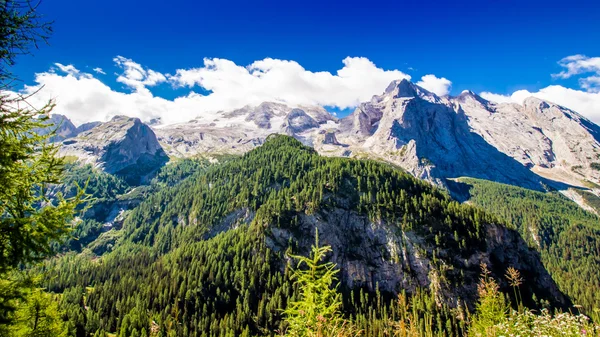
(99, 71)
(287, 81)
(84, 98)
(69, 69)
(136, 77)
(591, 83)
(581, 64)
(586, 103)
(439, 86)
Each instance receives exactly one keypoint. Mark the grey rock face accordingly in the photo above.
(123, 146)
(85, 127)
(329, 138)
(262, 114)
(552, 141)
(380, 255)
(241, 130)
(62, 126)
(436, 138)
(431, 137)
(298, 121)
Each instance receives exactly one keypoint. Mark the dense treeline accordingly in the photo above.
(110, 195)
(175, 272)
(567, 236)
(180, 268)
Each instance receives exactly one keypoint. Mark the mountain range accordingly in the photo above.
(191, 227)
(538, 145)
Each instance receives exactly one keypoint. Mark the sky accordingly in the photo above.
(178, 59)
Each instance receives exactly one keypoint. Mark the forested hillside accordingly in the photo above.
(207, 256)
(281, 241)
(567, 236)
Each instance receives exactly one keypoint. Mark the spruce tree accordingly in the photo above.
(317, 312)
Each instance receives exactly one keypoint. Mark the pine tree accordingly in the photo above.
(30, 222)
(40, 317)
(317, 313)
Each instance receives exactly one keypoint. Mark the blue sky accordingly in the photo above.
(497, 46)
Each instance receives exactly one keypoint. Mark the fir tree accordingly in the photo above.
(317, 312)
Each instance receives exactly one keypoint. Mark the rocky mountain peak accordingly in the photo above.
(123, 146)
(401, 88)
(298, 121)
(469, 97)
(61, 125)
(535, 102)
(405, 89)
(431, 137)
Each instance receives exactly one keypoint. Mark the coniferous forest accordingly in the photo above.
(176, 267)
(279, 241)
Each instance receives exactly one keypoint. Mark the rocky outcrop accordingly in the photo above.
(123, 146)
(434, 138)
(550, 140)
(298, 121)
(62, 127)
(429, 137)
(85, 127)
(532, 145)
(240, 130)
(330, 138)
(264, 113)
(379, 255)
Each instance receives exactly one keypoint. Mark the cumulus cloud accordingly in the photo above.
(287, 81)
(586, 103)
(84, 98)
(439, 86)
(581, 64)
(99, 71)
(136, 77)
(69, 69)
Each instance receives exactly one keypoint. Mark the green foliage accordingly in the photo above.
(29, 223)
(194, 254)
(317, 312)
(491, 308)
(595, 166)
(493, 319)
(590, 199)
(175, 172)
(100, 185)
(567, 237)
(21, 27)
(38, 315)
(103, 191)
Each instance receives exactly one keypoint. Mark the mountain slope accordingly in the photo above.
(241, 130)
(123, 146)
(208, 254)
(435, 138)
(61, 125)
(567, 236)
(552, 141)
(537, 145)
